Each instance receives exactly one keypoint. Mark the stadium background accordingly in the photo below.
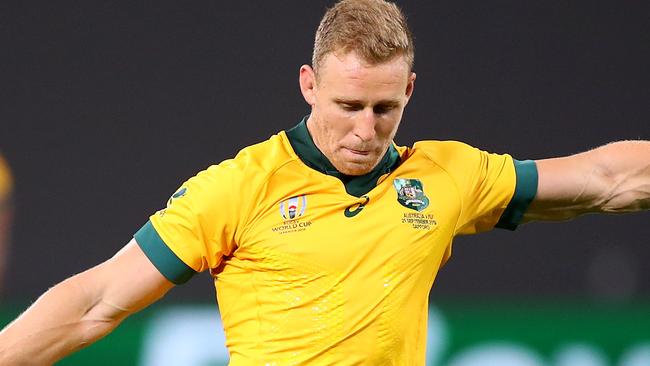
(107, 107)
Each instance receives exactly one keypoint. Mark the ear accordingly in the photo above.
(410, 86)
(308, 84)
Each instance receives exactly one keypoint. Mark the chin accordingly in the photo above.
(355, 169)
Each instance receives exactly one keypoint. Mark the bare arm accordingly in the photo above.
(613, 178)
(82, 309)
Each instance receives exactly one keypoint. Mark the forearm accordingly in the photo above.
(613, 178)
(625, 170)
(83, 309)
(60, 322)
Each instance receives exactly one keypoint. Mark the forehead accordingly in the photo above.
(350, 65)
(350, 69)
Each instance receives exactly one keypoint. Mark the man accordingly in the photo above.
(6, 213)
(325, 239)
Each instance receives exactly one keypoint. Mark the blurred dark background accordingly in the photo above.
(106, 107)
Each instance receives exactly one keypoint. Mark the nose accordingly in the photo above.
(364, 127)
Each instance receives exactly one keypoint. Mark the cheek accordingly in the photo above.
(330, 133)
(338, 126)
(388, 127)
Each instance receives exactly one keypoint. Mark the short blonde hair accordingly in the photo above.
(375, 29)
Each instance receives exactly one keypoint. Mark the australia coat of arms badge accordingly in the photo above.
(410, 194)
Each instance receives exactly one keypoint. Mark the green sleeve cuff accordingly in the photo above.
(525, 191)
(161, 256)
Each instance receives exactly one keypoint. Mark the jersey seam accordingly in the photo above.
(460, 197)
(262, 188)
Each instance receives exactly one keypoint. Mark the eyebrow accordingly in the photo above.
(388, 103)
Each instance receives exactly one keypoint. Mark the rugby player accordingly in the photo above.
(325, 239)
(6, 213)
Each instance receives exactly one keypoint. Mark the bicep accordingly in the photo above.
(124, 284)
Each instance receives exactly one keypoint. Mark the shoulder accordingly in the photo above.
(463, 161)
(233, 185)
(445, 152)
(256, 161)
(265, 156)
(449, 146)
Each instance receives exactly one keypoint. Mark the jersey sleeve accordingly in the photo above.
(199, 225)
(494, 189)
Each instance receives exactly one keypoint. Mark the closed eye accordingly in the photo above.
(351, 107)
(379, 108)
(386, 107)
(383, 109)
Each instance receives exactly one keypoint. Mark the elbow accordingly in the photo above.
(628, 201)
(100, 320)
(623, 175)
(99, 317)
(94, 330)
(624, 193)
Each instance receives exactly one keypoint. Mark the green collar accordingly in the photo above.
(307, 151)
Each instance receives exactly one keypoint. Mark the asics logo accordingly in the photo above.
(355, 209)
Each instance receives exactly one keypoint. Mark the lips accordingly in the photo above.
(358, 152)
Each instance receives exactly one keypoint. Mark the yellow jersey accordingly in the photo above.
(313, 267)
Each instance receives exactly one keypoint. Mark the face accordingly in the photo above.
(356, 108)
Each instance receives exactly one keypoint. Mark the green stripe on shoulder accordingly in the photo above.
(161, 256)
(525, 191)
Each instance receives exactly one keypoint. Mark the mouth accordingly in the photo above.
(358, 152)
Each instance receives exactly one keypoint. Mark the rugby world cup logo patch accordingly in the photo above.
(293, 207)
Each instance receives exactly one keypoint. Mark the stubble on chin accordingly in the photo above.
(355, 168)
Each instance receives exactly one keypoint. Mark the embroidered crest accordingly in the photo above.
(410, 194)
